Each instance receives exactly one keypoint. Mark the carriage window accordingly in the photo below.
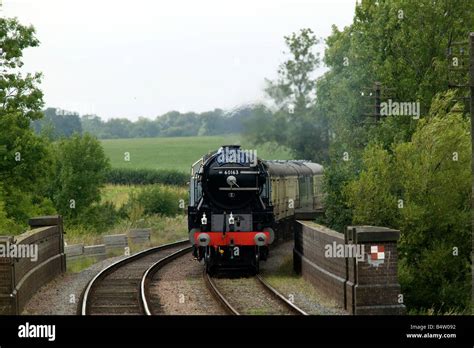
(303, 187)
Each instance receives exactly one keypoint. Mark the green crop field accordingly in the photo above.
(177, 153)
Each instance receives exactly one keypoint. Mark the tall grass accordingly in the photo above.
(146, 206)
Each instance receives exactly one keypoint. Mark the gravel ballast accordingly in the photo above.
(278, 271)
(62, 295)
(178, 288)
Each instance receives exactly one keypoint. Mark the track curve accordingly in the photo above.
(117, 288)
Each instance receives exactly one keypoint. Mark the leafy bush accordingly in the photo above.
(438, 280)
(7, 225)
(99, 217)
(80, 170)
(370, 196)
(337, 175)
(125, 176)
(156, 199)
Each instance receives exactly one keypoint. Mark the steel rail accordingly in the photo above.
(280, 297)
(148, 276)
(218, 295)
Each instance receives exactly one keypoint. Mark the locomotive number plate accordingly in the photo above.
(231, 172)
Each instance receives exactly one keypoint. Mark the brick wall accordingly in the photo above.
(6, 280)
(328, 273)
(355, 281)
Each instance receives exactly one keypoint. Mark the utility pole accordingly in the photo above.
(374, 94)
(377, 100)
(458, 69)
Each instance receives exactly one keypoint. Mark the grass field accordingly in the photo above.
(177, 153)
(117, 194)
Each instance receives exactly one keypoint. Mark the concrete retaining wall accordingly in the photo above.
(139, 235)
(111, 243)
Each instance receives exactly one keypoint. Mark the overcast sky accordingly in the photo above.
(137, 58)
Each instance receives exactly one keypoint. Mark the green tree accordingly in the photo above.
(144, 128)
(401, 44)
(371, 196)
(93, 125)
(297, 123)
(295, 83)
(26, 161)
(80, 171)
(7, 225)
(58, 123)
(117, 128)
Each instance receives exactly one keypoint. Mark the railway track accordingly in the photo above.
(122, 287)
(220, 296)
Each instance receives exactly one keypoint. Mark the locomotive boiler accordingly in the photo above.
(241, 204)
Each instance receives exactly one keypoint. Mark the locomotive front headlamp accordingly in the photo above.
(231, 219)
(204, 219)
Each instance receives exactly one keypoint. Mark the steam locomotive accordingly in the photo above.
(240, 204)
